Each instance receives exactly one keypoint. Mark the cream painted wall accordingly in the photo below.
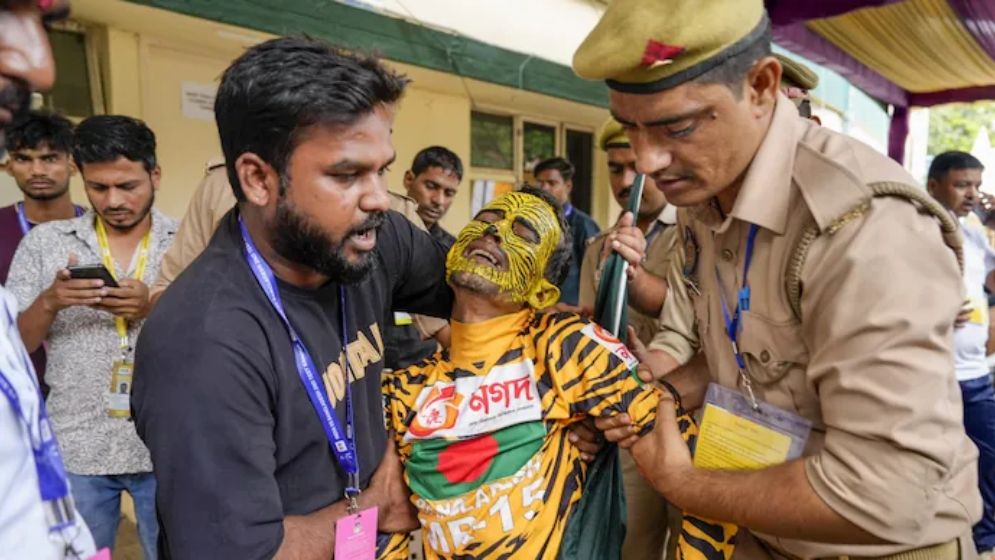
(425, 119)
(120, 65)
(185, 143)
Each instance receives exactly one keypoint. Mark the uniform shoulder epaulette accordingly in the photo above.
(914, 195)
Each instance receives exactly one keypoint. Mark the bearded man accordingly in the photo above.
(259, 386)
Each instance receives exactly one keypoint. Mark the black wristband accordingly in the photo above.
(673, 392)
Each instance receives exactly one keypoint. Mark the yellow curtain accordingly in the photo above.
(918, 44)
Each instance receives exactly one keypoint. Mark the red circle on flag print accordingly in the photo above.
(468, 460)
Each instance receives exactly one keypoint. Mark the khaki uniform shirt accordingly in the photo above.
(870, 363)
(676, 330)
(662, 248)
(213, 199)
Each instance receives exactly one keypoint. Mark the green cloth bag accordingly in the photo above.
(596, 529)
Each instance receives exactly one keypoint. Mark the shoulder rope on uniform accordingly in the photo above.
(948, 227)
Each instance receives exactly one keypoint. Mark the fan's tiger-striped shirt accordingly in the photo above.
(482, 430)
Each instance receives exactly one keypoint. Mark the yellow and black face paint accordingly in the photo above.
(508, 218)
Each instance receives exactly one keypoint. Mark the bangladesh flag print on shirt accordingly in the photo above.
(439, 468)
(474, 430)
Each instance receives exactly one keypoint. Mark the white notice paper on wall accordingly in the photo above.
(480, 194)
(198, 100)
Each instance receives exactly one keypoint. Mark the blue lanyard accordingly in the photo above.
(742, 302)
(343, 443)
(52, 480)
(26, 226)
(654, 231)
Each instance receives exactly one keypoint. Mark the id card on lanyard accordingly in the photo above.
(355, 535)
(119, 390)
(738, 432)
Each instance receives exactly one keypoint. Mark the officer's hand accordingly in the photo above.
(653, 364)
(130, 300)
(629, 242)
(641, 353)
(661, 456)
(66, 292)
(586, 439)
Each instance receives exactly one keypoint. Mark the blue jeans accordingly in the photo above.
(98, 499)
(979, 421)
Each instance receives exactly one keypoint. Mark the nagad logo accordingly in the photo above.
(439, 411)
(609, 341)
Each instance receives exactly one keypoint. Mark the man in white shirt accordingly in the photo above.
(25, 529)
(955, 180)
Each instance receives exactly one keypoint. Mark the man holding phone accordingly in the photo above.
(91, 314)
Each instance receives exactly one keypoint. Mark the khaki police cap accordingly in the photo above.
(646, 46)
(612, 136)
(797, 74)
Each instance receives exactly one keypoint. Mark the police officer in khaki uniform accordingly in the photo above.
(678, 337)
(647, 512)
(797, 80)
(656, 221)
(846, 296)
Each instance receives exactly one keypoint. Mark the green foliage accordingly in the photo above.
(955, 126)
(538, 143)
(491, 141)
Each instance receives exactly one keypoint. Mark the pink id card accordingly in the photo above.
(356, 536)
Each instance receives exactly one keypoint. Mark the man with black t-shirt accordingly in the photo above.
(251, 461)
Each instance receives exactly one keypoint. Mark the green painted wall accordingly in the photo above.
(398, 40)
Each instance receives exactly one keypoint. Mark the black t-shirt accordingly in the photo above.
(442, 236)
(218, 400)
(403, 339)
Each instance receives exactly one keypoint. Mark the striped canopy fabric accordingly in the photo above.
(902, 52)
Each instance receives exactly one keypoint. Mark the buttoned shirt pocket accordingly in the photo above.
(771, 349)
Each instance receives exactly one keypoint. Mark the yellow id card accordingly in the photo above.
(735, 436)
(119, 396)
(730, 442)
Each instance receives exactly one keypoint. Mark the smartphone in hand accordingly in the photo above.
(93, 272)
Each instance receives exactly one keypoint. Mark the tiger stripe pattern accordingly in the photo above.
(495, 429)
(701, 539)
